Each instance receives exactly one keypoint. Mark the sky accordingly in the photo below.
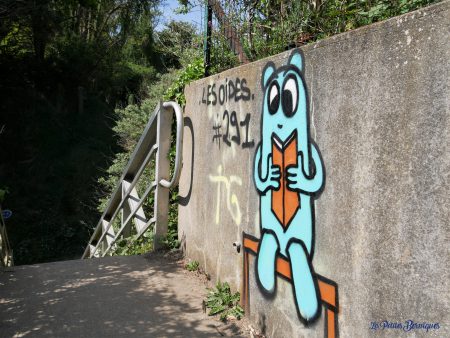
(195, 16)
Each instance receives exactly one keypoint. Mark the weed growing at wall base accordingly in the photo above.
(221, 300)
(192, 266)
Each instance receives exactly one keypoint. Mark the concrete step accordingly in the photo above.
(135, 296)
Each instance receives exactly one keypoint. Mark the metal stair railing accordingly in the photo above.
(6, 253)
(154, 144)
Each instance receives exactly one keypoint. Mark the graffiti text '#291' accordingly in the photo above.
(230, 90)
(231, 119)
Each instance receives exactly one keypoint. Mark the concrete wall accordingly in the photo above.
(379, 113)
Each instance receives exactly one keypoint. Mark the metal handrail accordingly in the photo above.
(155, 140)
(179, 143)
(6, 252)
(124, 198)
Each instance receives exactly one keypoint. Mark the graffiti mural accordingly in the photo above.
(283, 176)
(289, 175)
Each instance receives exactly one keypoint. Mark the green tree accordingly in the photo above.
(180, 60)
(65, 65)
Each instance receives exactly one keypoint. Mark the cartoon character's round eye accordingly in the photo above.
(273, 99)
(290, 96)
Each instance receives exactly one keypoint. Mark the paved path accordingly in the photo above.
(109, 297)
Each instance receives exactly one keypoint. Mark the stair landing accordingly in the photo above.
(135, 296)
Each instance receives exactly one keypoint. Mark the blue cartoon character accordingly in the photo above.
(288, 172)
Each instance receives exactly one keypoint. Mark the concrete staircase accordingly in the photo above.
(135, 296)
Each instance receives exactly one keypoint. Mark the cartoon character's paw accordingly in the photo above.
(274, 175)
(297, 179)
(294, 176)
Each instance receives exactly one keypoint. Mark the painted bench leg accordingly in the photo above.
(328, 288)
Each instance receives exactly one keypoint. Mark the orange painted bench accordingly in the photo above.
(327, 288)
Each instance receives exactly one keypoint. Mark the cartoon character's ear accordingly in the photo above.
(296, 59)
(267, 72)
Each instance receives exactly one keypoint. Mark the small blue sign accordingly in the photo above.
(6, 214)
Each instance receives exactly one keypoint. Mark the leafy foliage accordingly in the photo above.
(193, 71)
(222, 57)
(222, 300)
(134, 246)
(192, 266)
(269, 27)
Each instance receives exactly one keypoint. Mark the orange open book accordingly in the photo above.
(285, 202)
